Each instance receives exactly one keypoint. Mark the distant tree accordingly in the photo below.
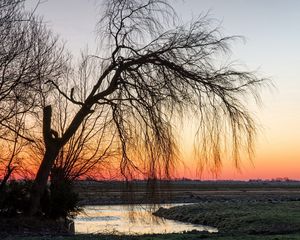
(10, 160)
(151, 72)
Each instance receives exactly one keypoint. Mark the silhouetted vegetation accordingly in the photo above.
(15, 198)
(30, 55)
(120, 107)
(58, 201)
(150, 71)
(61, 201)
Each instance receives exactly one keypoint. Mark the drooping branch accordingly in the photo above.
(153, 72)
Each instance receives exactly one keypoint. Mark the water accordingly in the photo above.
(129, 219)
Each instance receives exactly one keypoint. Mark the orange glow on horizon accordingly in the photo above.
(278, 159)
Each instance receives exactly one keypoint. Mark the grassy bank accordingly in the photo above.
(241, 218)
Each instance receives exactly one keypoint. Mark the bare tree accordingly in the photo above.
(152, 71)
(11, 159)
(30, 55)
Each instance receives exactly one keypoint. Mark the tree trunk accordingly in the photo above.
(53, 144)
(41, 179)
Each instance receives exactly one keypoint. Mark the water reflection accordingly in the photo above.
(129, 219)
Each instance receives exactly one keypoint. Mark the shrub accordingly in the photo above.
(58, 201)
(15, 198)
(63, 201)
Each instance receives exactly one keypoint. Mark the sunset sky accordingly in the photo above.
(271, 29)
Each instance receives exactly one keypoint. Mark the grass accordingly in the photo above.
(241, 217)
(111, 192)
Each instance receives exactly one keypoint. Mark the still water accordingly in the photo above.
(129, 219)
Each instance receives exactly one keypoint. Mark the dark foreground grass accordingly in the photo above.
(185, 236)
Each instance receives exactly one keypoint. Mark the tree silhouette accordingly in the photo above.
(152, 70)
(30, 55)
(87, 149)
(10, 160)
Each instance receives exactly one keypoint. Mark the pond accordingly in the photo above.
(130, 219)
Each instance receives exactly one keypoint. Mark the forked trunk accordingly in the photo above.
(53, 144)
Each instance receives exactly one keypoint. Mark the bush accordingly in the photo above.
(63, 201)
(15, 198)
(58, 201)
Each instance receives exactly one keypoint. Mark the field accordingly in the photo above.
(240, 210)
(115, 192)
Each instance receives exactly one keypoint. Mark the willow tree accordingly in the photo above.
(151, 71)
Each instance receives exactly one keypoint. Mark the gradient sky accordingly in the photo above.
(272, 48)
